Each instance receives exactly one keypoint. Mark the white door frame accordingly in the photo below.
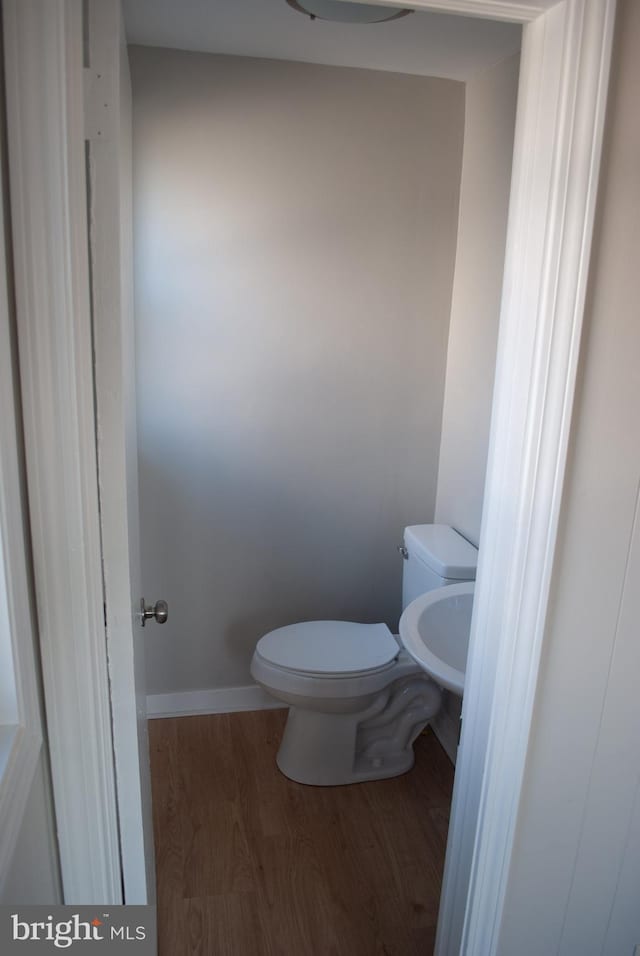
(562, 98)
(109, 165)
(45, 118)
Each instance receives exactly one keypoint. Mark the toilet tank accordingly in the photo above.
(435, 555)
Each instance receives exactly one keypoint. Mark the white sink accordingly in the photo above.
(435, 630)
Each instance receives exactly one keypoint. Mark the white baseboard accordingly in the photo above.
(216, 700)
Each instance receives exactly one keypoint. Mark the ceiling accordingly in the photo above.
(427, 44)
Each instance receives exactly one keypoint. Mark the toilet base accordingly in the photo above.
(329, 749)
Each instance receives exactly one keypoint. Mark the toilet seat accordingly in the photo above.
(329, 649)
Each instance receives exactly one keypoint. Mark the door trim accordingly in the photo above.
(562, 96)
(43, 51)
(109, 172)
(565, 62)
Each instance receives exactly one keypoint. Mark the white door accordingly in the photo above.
(108, 112)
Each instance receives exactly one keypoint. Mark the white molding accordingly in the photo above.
(43, 50)
(563, 86)
(215, 700)
(512, 11)
(108, 129)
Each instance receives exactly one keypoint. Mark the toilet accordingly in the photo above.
(357, 700)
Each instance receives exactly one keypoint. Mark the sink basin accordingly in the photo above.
(435, 630)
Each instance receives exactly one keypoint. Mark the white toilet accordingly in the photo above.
(357, 700)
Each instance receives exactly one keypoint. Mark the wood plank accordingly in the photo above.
(251, 862)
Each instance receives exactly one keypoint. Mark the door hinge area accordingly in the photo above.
(98, 105)
(104, 612)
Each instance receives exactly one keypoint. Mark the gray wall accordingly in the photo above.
(475, 308)
(295, 232)
(490, 110)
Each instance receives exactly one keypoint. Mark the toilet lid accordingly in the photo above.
(329, 648)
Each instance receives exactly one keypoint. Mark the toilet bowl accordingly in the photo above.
(357, 700)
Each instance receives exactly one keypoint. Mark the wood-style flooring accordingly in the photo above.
(251, 864)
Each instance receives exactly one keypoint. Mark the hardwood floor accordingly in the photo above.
(251, 864)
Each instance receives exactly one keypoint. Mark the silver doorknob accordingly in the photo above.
(160, 610)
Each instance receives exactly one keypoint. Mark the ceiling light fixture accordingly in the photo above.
(347, 12)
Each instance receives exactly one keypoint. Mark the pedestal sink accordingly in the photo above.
(435, 631)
